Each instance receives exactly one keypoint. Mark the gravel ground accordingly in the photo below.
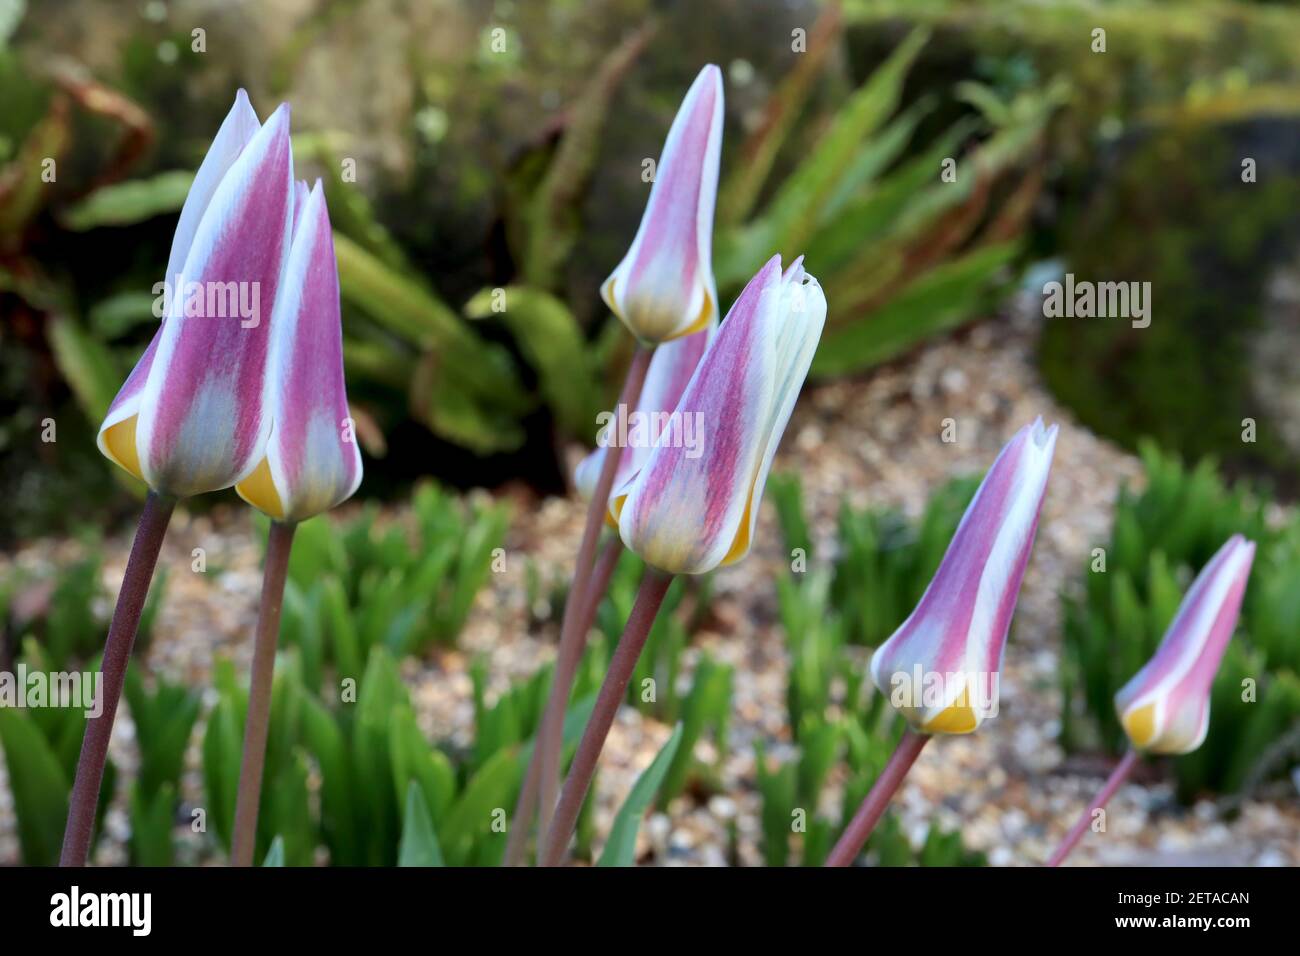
(1009, 787)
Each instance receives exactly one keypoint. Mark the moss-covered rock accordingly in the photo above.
(1170, 207)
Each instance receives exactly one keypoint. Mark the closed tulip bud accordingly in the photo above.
(692, 508)
(664, 287)
(311, 462)
(671, 368)
(191, 416)
(1165, 708)
(942, 666)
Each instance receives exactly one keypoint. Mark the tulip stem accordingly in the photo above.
(873, 807)
(613, 690)
(256, 726)
(546, 752)
(1117, 777)
(84, 800)
(543, 770)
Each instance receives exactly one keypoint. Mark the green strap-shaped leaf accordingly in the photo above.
(393, 299)
(87, 366)
(40, 789)
(487, 791)
(551, 339)
(745, 179)
(286, 813)
(876, 155)
(463, 388)
(620, 849)
(275, 855)
(120, 313)
(351, 212)
(799, 206)
(419, 846)
(152, 816)
(878, 214)
(23, 188)
(125, 204)
(222, 743)
(445, 396)
(417, 763)
(325, 741)
(940, 300)
(706, 705)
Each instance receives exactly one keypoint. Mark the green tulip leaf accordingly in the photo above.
(620, 849)
(39, 787)
(419, 845)
(553, 343)
(125, 204)
(275, 855)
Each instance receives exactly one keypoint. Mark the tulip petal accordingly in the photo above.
(688, 512)
(1165, 708)
(956, 635)
(671, 368)
(201, 423)
(796, 342)
(237, 130)
(587, 473)
(301, 192)
(116, 438)
(312, 461)
(664, 286)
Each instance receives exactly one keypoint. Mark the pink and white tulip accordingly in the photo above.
(689, 510)
(311, 461)
(1165, 708)
(191, 416)
(942, 666)
(664, 288)
(671, 368)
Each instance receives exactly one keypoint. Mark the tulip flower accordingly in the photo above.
(1165, 708)
(664, 289)
(311, 462)
(692, 505)
(191, 415)
(941, 667)
(671, 368)
(117, 434)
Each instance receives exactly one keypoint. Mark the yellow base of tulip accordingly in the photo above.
(740, 547)
(952, 720)
(119, 441)
(701, 321)
(258, 489)
(1140, 725)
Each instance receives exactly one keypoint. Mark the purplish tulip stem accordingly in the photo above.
(256, 725)
(873, 807)
(1117, 777)
(566, 668)
(613, 690)
(117, 655)
(543, 769)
